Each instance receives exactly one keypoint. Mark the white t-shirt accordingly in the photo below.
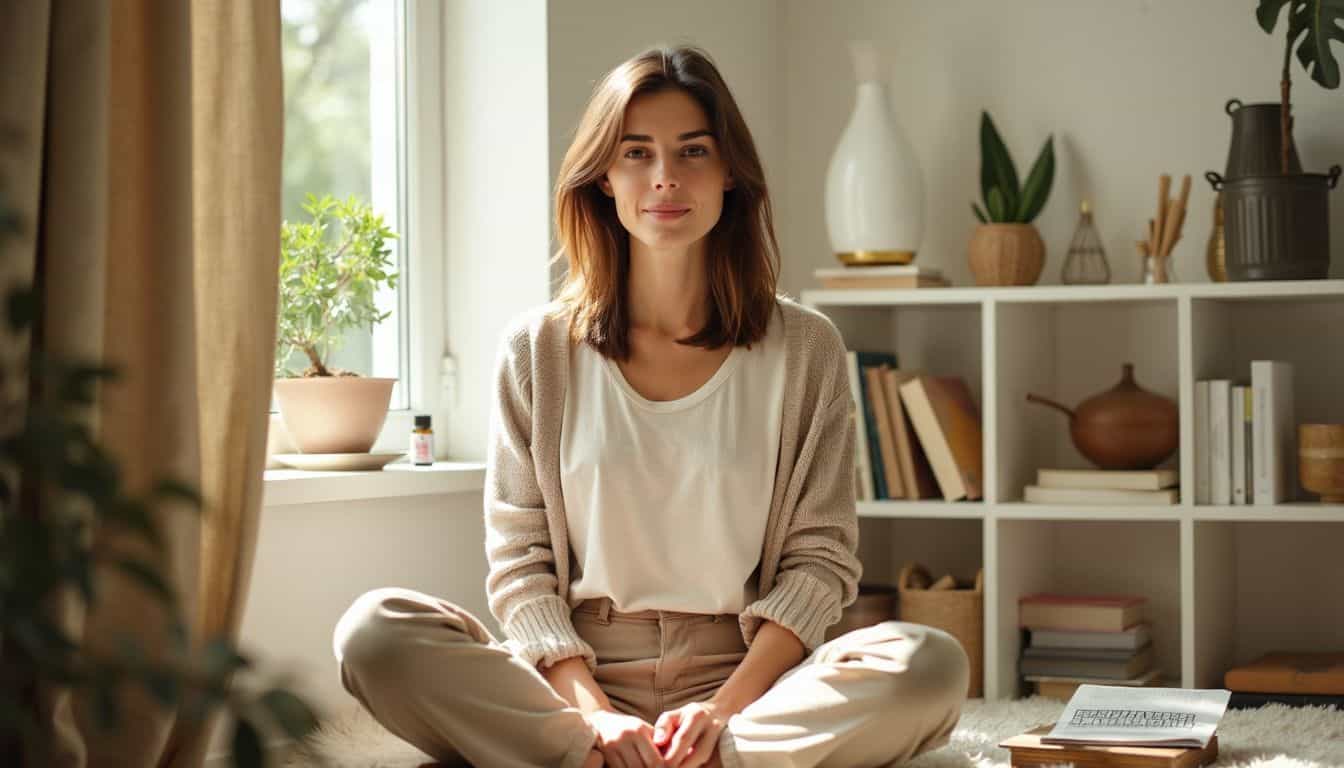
(666, 501)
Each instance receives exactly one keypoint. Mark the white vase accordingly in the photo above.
(874, 188)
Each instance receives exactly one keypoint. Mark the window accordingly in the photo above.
(345, 134)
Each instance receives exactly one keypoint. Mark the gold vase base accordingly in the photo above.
(872, 258)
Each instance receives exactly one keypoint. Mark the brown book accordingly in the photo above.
(1096, 613)
(1063, 687)
(886, 441)
(883, 283)
(947, 421)
(916, 474)
(1318, 673)
(1027, 750)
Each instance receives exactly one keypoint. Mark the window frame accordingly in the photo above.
(420, 29)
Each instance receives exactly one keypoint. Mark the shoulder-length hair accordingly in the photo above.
(742, 260)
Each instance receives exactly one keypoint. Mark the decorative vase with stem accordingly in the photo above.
(1006, 249)
(874, 188)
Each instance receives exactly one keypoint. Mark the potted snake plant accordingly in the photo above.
(330, 268)
(1006, 248)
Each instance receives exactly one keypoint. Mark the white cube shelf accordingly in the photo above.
(1225, 583)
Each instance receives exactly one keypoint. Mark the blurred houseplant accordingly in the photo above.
(1277, 225)
(330, 269)
(57, 486)
(1006, 249)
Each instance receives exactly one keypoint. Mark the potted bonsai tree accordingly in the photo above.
(1278, 224)
(1006, 249)
(330, 268)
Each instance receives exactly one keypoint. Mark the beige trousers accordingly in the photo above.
(432, 674)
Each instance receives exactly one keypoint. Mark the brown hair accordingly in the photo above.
(742, 254)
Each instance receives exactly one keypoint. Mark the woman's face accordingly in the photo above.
(668, 179)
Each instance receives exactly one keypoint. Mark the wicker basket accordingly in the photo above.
(959, 612)
(875, 604)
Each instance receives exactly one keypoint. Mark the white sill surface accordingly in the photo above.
(284, 487)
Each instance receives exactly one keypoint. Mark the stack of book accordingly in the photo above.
(917, 436)
(1103, 486)
(1077, 639)
(1245, 437)
(880, 277)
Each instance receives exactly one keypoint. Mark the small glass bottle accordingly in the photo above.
(1086, 261)
(422, 442)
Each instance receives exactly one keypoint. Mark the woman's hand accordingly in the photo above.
(689, 735)
(625, 741)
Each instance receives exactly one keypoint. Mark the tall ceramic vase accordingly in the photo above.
(874, 188)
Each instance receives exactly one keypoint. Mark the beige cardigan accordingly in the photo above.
(808, 570)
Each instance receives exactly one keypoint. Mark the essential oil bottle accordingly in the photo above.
(422, 442)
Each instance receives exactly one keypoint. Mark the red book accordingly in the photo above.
(1096, 613)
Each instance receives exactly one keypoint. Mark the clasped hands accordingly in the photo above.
(685, 737)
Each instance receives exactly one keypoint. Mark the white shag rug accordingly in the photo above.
(1275, 736)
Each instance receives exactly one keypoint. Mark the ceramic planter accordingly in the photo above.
(333, 414)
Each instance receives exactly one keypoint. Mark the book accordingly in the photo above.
(1248, 440)
(1274, 431)
(867, 360)
(947, 421)
(1220, 439)
(1140, 716)
(882, 283)
(1098, 613)
(916, 474)
(878, 270)
(886, 439)
(1238, 422)
(1088, 654)
(1141, 480)
(1035, 494)
(1282, 672)
(1027, 749)
(1202, 442)
(1109, 669)
(863, 470)
(1135, 637)
(1063, 687)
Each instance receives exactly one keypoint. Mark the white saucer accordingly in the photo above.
(338, 461)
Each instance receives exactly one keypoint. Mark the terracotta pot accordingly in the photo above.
(1125, 427)
(1006, 254)
(1320, 460)
(333, 414)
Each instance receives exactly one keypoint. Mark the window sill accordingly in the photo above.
(284, 487)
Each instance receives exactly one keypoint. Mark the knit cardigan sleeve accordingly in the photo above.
(521, 585)
(819, 568)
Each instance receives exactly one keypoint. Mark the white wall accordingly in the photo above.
(496, 193)
(1129, 88)
(588, 38)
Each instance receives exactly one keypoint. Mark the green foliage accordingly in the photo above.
(330, 268)
(48, 452)
(1005, 200)
(327, 58)
(1322, 21)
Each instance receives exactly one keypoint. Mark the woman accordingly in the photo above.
(670, 519)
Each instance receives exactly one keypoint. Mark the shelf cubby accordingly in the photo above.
(1225, 583)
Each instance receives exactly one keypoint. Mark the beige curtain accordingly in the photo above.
(141, 144)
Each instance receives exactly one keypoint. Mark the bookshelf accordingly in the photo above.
(1225, 583)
